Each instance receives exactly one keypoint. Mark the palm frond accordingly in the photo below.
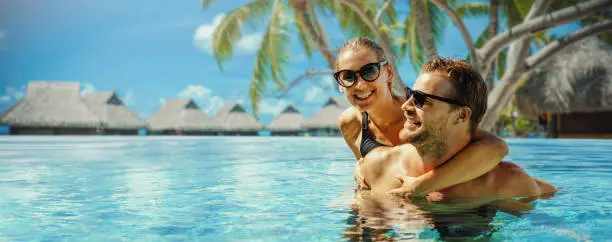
(515, 11)
(438, 19)
(304, 36)
(482, 39)
(390, 16)
(351, 22)
(228, 33)
(272, 56)
(327, 7)
(413, 45)
(605, 37)
(473, 9)
(405, 39)
(541, 38)
(313, 16)
(207, 3)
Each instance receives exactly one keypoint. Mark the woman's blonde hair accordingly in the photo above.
(359, 43)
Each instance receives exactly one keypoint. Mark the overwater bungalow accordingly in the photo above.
(117, 119)
(51, 108)
(325, 121)
(182, 117)
(237, 121)
(287, 123)
(571, 94)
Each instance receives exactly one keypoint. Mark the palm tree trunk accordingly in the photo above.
(398, 85)
(536, 24)
(516, 71)
(513, 119)
(500, 97)
(300, 7)
(454, 16)
(491, 32)
(424, 28)
(552, 48)
(519, 69)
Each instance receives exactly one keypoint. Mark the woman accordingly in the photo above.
(376, 118)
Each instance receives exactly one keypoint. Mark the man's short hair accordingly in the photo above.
(469, 86)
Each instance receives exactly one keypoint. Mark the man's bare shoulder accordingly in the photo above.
(401, 153)
(404, 150)
(408, 158)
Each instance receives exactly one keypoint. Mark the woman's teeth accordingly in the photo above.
(363, 96)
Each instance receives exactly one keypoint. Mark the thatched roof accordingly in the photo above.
(288, 120)
(328, 116)
(182, 114)
(51, 104)
(113, 113)
(340, 101)
(235, 118)
(577, 79)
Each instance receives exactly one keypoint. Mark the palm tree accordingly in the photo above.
(520, 61)
(410, 43)
(435, 19)
(285, 18)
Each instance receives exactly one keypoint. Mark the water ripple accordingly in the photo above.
(245, 188)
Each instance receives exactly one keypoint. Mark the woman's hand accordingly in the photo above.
(407, 188)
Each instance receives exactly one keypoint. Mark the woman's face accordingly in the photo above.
(364, 94)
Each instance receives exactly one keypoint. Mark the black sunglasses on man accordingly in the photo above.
(420, 97)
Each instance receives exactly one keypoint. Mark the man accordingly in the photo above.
(443, 110)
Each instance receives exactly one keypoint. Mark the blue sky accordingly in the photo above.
(153, 50)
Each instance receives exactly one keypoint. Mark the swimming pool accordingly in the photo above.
(265, 189)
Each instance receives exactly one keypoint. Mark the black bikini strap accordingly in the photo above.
(364, 121)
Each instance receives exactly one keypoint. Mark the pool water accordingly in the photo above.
(268, 189)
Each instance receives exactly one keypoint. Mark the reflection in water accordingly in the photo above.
(393, 219)
(144, 191)
(242, 189)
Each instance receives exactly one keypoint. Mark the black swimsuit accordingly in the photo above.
(367, 142)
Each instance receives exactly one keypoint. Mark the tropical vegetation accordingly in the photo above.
(508, 56)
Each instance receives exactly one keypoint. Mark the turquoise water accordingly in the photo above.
(266, 189)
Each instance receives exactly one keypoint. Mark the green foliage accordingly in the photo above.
(524, 125)
(410, 43)
(304, 36)
(515, 11)
(438, 19)
(607, 15)
(350, 21)
(500, 63)
(229, 31)
(413, 45)
(206, 3)
(272, 55)
(516, 125)
(473, 9)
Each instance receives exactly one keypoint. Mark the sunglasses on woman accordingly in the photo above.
(368, 72)
(419, 98)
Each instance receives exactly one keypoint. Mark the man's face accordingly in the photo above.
(427, 127)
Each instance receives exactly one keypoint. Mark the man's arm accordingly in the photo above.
(546, 189)
(478, 158)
